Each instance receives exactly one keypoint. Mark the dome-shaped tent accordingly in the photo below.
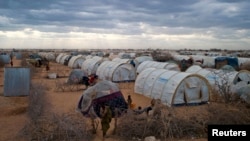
(140, 59)
(119, 60)
(75, 76)
(116, 72)
(76, 61)
(58, 58)
(102, 93)
(208, 61)
(173, 87)
(213, 75)
(159, 65)
(50, 56)
(89, 66)
(64, 60)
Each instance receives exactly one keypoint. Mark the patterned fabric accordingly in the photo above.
(114, 100)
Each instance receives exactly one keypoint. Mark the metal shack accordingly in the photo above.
(16, 81)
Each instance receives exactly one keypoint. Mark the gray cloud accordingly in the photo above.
(221, 19)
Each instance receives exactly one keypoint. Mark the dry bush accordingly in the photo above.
(233, 113)
(174, 124)
(37, 101)
(166, 125)
(223, 87)
(231, 97)
(58, 128)
(160, 57)
(245, 66)
(43, 125)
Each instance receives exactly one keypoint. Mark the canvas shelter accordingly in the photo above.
(119, 60)
(48, 55)
(102, 93)
(75, 76)
(116, 72)
(173, 87)
(244, 94)
(89, 66)
(59, 57)
(208, 61)
(234, 78)
(64, 59)
(159, 65)
(75, 62)
(140, 59)
(243, 60)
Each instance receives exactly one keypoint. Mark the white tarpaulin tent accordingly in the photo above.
(50, 56)
(208, 61)
(116, 72)
(121, 60)
(173, 87)
(243, 60)
(75, 62)
(234, 78)
(58, 58)
(140, 59)
(90, 66)
(159, 65)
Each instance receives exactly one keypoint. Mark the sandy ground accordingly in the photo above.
(13, 115)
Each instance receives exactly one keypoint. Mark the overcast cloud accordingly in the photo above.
(85, 24)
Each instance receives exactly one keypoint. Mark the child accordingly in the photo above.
(129, 101)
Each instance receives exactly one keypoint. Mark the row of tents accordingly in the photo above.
(165, 81)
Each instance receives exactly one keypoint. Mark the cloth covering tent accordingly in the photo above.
(159, 65)
(173, 87)
(116, 72)
(102, 93)
(89, 66)
(235, 78)
(75, 76)
(75, 62)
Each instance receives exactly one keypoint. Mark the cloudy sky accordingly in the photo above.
(88, 24)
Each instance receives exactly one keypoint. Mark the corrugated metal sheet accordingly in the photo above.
(16, 81)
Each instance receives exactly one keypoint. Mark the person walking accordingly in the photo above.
(106, 117)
